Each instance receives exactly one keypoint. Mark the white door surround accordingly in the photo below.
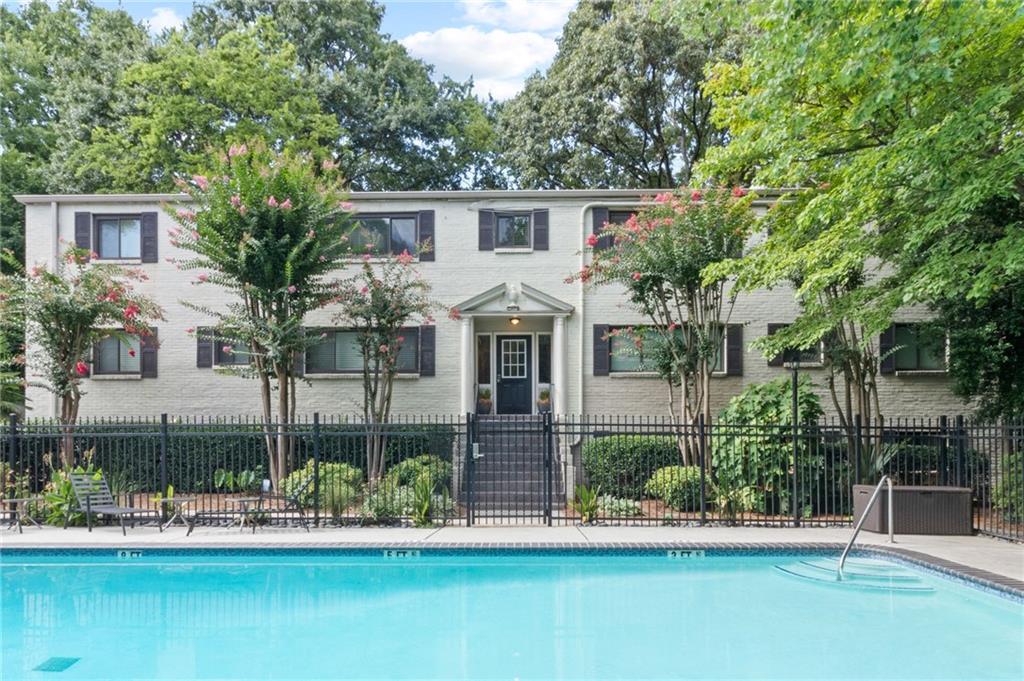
(526, 303)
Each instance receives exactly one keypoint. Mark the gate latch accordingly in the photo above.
(476, 451)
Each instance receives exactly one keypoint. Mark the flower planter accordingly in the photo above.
(916, 509)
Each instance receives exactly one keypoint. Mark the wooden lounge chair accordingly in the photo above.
(94, 498)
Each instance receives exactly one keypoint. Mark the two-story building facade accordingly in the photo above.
(501, 258)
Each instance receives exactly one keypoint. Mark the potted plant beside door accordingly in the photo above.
(544, 401)
(483, 401)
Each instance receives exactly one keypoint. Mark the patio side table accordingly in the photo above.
(19, 511)
(247, 506)
(178, 506)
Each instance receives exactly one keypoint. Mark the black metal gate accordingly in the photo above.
(510, 476)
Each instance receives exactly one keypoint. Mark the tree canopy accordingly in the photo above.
(622, 105)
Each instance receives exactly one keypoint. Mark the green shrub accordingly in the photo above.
(677, 486)
(753, 454)
(331, 475)
(1008, 492)
(407, 472)
(615, 507)
(388, 503)
(620, 464)
(337, 496)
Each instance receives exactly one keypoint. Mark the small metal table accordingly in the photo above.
(177, 508)
(246, 507)
(19, 511)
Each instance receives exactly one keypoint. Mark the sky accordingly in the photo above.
(498, 43)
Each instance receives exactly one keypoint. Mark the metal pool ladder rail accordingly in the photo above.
(886, 480)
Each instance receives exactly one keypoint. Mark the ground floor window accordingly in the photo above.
(118, 356)
(339, 352)
(640, 349)
(917, 349)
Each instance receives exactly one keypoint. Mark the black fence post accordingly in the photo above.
(943, 450)
(858, 436)
(469, 468)
(163, 463)
(795, 503)
(548, 467)
(316, 469)
(12, 443)
(703, 472)
(962, 470)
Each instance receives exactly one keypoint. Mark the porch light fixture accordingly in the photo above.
(514, 321)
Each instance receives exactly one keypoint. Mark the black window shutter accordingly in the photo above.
(600, 220)
(540, 230)
(149, 238)
(427, 353)
(83, 230)
(204, 348)
(299, 360)
(486, 230)
(779, 359)
(734, 350)
(602, 350)
(886, 354)
(149, 346)
(426, 236)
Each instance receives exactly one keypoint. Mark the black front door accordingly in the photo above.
(515, 384)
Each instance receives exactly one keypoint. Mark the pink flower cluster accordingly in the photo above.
(237, 150)
(201, 182)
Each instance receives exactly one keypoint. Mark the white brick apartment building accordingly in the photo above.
(501, 257)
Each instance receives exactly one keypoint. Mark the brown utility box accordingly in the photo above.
(916, 510)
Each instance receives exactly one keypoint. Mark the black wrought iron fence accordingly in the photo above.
(522, 470)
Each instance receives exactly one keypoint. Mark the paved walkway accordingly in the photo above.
(981, 553)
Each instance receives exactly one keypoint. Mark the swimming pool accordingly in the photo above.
(495, 615)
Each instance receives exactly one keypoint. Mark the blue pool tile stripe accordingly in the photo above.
(56, 664)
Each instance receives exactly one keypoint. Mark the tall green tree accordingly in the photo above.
(622, 105)
(190, 99)
(902, 127)
(397, 129)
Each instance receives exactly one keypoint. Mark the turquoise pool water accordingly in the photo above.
(497, 616)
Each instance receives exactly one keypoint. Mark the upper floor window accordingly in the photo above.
(620, 217)
(119, 236)
(118, 356)
(639, 350)
(339, 352)
(513, 230)
(385, 234)
(917, 350)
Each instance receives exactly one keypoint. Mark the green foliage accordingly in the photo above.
(388, 504)
(409, 471)
(337, 496)
(586, 503)
(622, 105)
(1008, 492)
(620, 464)
(615, 507)
(334, 478)
(428, 502)
(753, 454)
(677, 486)
(245, 481)
(59, 495)
(902, 130)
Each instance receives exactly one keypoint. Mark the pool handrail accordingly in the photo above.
(886, 480)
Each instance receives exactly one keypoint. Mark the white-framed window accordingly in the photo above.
(118, 237)
(513, 230)
(114, 355)
(513, 358)
(339, 352)
(385, 234)
(627, 355)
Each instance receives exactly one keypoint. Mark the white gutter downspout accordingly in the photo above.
(55, 268)
(583, 261)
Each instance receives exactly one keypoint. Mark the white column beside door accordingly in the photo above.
(559, 389)
(467, 366)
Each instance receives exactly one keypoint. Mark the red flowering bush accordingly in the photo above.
(67, 313)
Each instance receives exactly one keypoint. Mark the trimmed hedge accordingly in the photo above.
(620, 464)
(677, 486)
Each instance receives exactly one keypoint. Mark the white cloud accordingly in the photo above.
(499, 61)
(527, 15)
(164, 18)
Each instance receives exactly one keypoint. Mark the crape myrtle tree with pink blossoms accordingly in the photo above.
(267, 228)
(66, 314)
(384, 297)
(659, 257)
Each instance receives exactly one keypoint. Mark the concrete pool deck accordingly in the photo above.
(975, 555)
